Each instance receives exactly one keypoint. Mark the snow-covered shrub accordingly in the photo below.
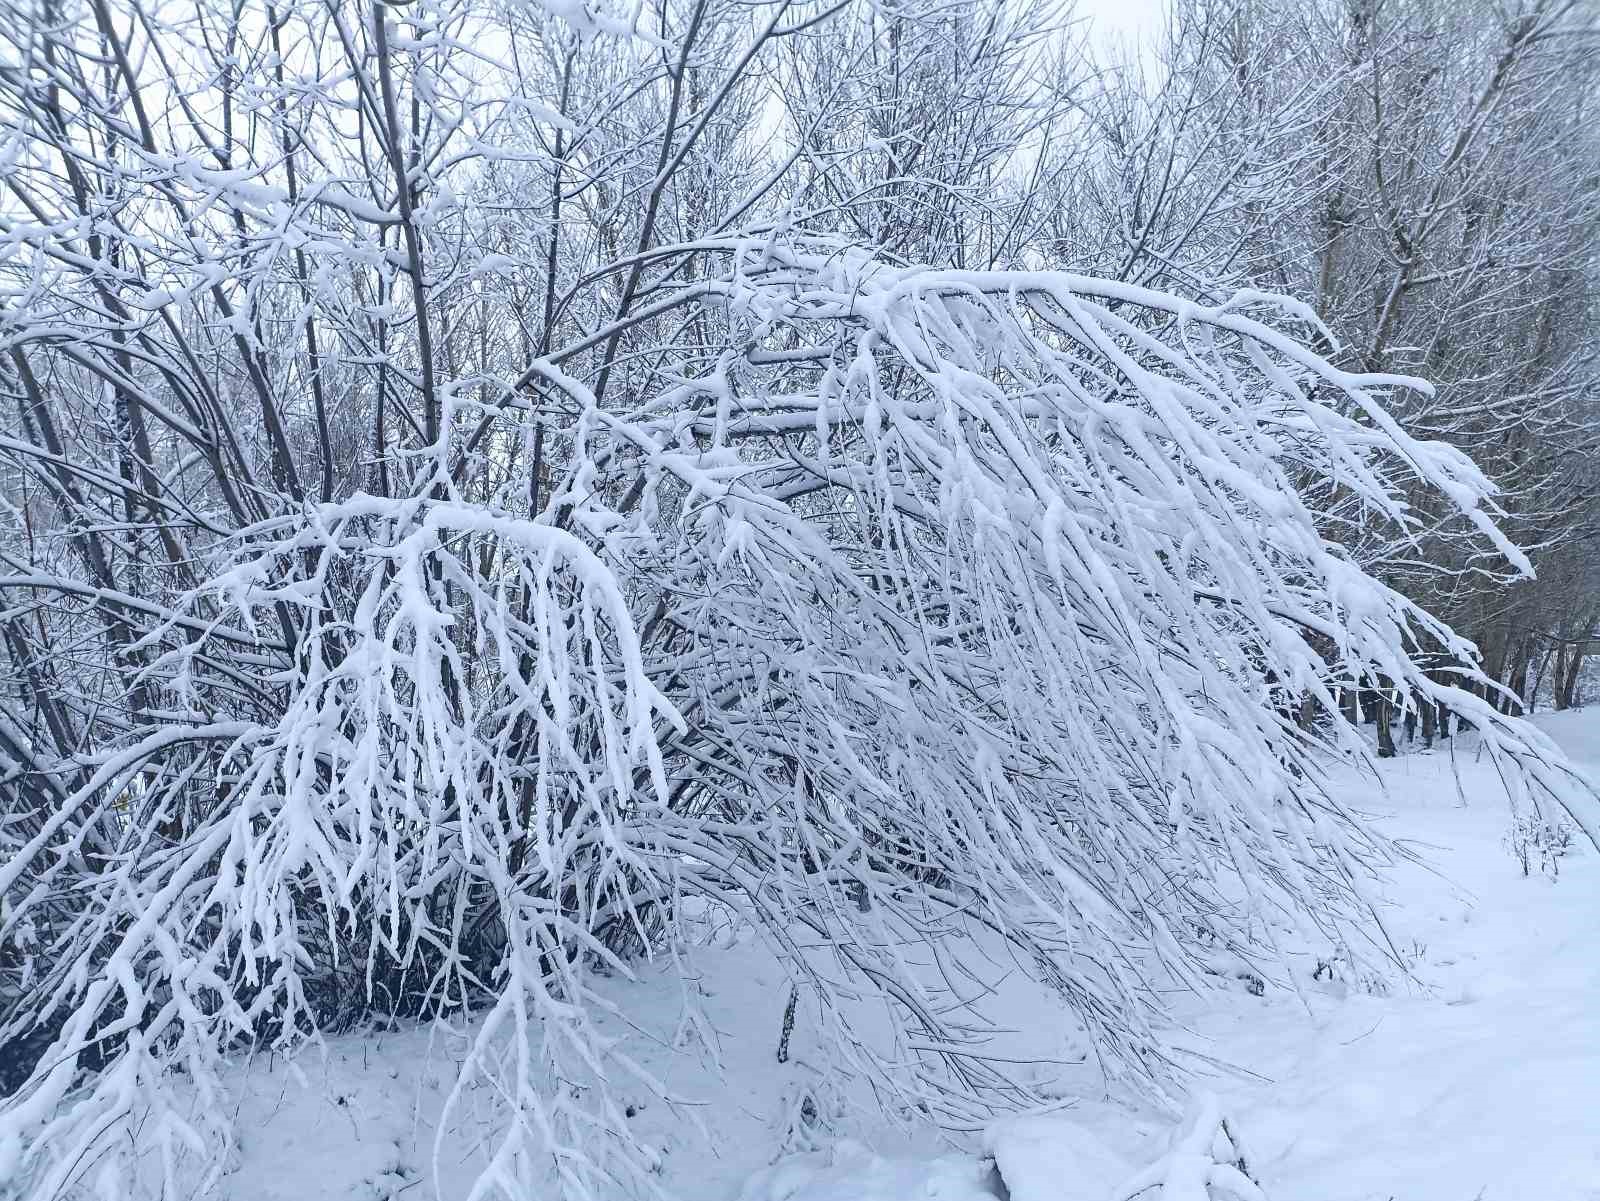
(936, 608)
(917, 617)
(1538, 840)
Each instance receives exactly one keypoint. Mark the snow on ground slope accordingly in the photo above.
(1481, 1080)
(1478, 1080)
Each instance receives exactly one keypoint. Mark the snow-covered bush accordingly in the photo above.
(1537, 840)
(908, 613)
(938, 606)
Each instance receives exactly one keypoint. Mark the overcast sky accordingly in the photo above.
(1126, 18)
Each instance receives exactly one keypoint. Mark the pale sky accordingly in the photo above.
(1120, 18)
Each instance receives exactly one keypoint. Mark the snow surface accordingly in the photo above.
(1476, 1080)
(1483, 1080)
(1048, 1157)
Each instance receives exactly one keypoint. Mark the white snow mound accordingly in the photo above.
(1046, 1157)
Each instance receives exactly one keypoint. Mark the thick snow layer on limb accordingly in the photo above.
(1049, 1157)
(939, 617)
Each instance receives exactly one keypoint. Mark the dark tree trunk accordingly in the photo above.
(1384, 711)
(1517, 681)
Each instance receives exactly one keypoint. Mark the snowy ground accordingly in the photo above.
(1484, 1080)
(1477, 1081)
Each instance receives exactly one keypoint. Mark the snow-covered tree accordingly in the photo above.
(459, 519)
(1422, 175)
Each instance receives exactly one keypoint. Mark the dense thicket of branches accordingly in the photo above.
(1423, 174)
(482, 476)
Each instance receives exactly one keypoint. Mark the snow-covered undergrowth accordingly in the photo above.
(970, 643)
(1477, 1076)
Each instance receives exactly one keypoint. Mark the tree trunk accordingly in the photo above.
(1517, 680)
(1384, 711)
(1569, 663)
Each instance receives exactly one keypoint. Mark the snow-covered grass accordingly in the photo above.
(1477, 1079)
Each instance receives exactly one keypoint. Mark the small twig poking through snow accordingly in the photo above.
(1193, 1170)
(1533, 838)
(788, 1024)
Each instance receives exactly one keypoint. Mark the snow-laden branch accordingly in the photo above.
(914, 611)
